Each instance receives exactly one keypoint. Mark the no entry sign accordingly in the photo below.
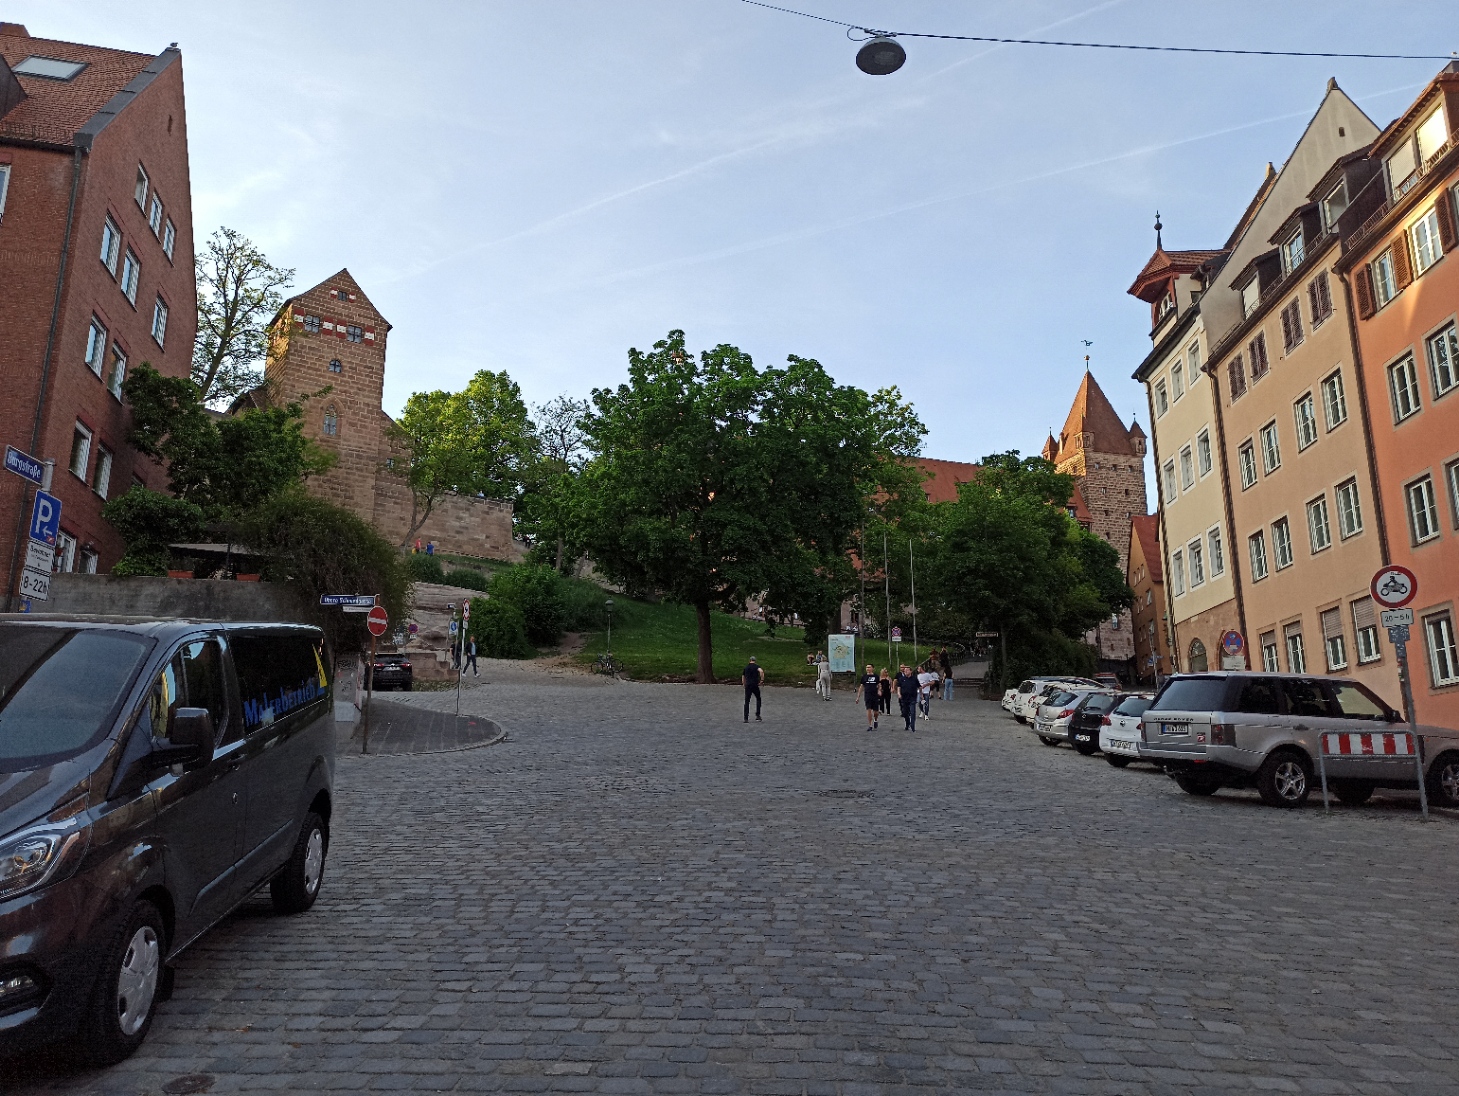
(377, 621)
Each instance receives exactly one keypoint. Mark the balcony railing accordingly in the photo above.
(1400, 192)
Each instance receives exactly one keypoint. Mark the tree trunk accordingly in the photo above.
(706, 644)
(560, 547)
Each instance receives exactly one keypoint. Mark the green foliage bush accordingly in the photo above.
(536, 592)
(469, 578)
(499, 628)
(148, 522)
(423, 568)
(583, 605)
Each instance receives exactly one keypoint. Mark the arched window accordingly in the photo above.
(335, 367)
(331, 421)
(1198, 663)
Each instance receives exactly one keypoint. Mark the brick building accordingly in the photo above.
(1146, 576)
(96, 272)
(1107, 460)
(327, 350)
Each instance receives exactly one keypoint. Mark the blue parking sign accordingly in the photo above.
(45, 519)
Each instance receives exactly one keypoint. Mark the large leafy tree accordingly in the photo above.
(478, 441)
(712, 481)
(239, 291)
(543, 513)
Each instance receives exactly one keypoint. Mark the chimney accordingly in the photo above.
(13, 30)
(11, 93)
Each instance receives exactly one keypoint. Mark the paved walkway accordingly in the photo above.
(403, 728)
(637, 893)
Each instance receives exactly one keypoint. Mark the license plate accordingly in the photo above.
(1082, 738)
(1174, 728)
(1121, 744)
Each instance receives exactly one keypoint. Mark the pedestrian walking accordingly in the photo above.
(925, 680)
(471, 657)
(823, 677)
(416, 551)
(870, 692)
(947, 686)
(430, 547)
(751, 679)
(906, 685)
(886, 692)
(944, 666)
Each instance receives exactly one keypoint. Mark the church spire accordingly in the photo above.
(1159, 244)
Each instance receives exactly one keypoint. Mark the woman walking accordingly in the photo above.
(886, 692)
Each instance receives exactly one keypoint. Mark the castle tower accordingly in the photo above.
(1107, 460)
(331, 337)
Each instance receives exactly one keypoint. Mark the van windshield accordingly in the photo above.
(1191, 694)
(59, 690)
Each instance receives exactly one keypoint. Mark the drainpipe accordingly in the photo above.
(1373, 482)
(1172, 635)
(1209, 370)
(40, 400)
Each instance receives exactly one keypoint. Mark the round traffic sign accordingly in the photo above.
(377, 621)
(1232, 643)
(1393, 586)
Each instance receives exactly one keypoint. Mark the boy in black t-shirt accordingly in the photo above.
(870, 690)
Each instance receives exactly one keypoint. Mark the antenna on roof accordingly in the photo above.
(1159, 244)
(1087, 344)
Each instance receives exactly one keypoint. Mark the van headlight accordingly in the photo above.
(39, 855)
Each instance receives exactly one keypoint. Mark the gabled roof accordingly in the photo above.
(1449, 74)
(1162, 265)
(63, 112)
(1146, 529)
(943, 476)
(1080, 509)
(1092, 413)
(1268, 181)
(342, 280)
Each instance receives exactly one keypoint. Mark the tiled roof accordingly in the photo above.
(1165, 262)
(1080, 508)
(1092, 413)
(54, 110)
(943, 476)
(1146, 527)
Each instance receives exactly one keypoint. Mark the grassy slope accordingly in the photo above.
(653, 641)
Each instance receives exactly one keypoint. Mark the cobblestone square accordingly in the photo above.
(638, 893)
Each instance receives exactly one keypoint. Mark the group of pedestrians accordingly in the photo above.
(913, 688)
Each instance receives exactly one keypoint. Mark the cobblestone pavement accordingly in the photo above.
(638, 893)
(396, 728)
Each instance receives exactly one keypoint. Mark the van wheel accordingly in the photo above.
(1086, 749)
(1117, 762)
(1284, 779)
(1352, 793)
(123, 1000)
(296, 887)
(1443, 781)
(1193, 784)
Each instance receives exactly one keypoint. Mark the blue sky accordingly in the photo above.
(537, 185)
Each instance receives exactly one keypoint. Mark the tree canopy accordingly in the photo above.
(239, 292)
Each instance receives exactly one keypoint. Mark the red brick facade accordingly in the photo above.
(73, 149)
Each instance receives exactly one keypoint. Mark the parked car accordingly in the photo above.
(393, 672)
(1119, 729)
(1084, 724)
(1109, 681)
(1033, 692)
(152, 777)
(1052, 722)
(1252, 729)
(1009, 696)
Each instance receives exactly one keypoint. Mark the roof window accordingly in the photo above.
(52, 68)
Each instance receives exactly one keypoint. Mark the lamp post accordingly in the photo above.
(609, 605)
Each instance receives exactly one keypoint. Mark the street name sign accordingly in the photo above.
(357, 608)
(367, 600)
(24, 465)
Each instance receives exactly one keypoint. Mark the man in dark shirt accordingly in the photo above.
(751, 679)
(907, 686)
(870, 690)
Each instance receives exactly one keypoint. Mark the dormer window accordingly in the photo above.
(1431, 134)
(1166, 305)
(1334, 204)
(1407, 161)
(1250, 296)
(1293, 252)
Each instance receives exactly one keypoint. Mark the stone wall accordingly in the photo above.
(459, 525)
(163, 598)
(1113, 485)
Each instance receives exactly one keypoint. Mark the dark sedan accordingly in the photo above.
(393, 672)
(1084, 724)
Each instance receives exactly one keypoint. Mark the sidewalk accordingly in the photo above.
(396, 728)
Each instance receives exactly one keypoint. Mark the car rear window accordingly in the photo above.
(1099, 702)
(1063, 698)
(1133, 705)
(278, 675)
(1191, 694)
(60, 688)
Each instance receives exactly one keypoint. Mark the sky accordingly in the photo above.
(538, 185)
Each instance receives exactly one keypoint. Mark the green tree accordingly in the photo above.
(478, 441)
(542, 513)
(148, 522)
(712, 481)
(239, 292)
(537, 593)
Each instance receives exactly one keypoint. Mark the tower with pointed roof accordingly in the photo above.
(1107, 460)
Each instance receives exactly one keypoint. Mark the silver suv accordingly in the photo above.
(1242, 729)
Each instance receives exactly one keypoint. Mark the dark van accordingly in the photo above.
(152, 777)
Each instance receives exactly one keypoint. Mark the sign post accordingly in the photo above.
(461, 658)
(40, 550)
(1233, 650)
(1393, 587)
(377, 622)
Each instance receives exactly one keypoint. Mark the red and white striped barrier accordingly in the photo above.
(1380, 744)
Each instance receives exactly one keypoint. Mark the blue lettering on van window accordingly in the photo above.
(262, 711)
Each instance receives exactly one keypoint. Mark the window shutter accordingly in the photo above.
(1363, 614)
(1402, 264)
(1448, 236)
(1237, 373)
(1314, 302)
(1287, 337)
(1364, 286)
(1331, 624)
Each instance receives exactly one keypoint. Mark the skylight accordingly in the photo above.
(50, 67)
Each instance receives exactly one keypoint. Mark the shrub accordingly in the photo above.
(499, 629)
(583, 605)
(423, 568)
(148, 522)
(536, 591)
(469, 578)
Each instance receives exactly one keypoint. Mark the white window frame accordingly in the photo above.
(1365, 638)
(1187, 468)
(1294, 251)
(1442, 350)
(1256, 548)
(1271, 654)
(169, 238)
(1334, 400)
(1304, 413)
(1427, 250)
(1250, 296)
(80, 450)
(1319, 524)
(1403, 389)
(101, 472)
(1205, 464)
(1271, 448)
(1296, 653)
(4, 187)
(1451, 478)
(1443, 650)
(1177, 382)
(1167, 481)
(1215, 552)
(116, 371)
(96, 343)
(131, 275)
(1349, 508)
(1385, 281)
(1423, 509)
(1282, 544)
(1162, 399)
(1336, 646)
(111, 245)
(1329, 218)
(65, 558)
(1193, 364)
(159, 322)
(141, 188)
(1177, 572)
(1196, 556)
(1246, 459)
(154, 215)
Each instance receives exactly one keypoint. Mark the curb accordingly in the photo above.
(499, 737)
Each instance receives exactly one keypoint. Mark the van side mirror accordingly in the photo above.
(190, 739)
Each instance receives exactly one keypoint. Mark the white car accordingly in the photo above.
(1026, 707)
(1009, 697)
(1051, 723)
(1119, 731)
